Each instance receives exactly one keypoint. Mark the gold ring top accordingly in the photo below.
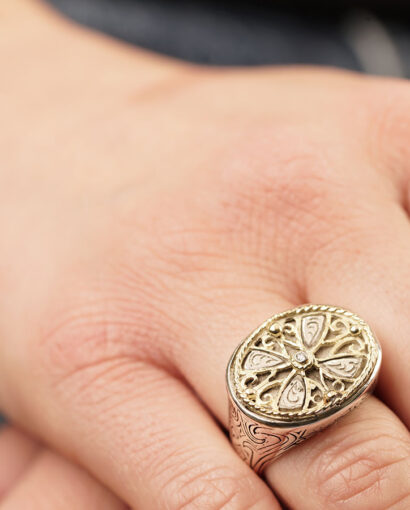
(303, 365)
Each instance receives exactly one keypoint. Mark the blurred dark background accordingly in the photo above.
(371, 36)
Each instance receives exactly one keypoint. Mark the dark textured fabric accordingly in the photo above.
(243, 33)
(217, 33)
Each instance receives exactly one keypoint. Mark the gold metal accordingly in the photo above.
(296, 374)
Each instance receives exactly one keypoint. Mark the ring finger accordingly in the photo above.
(363, 461)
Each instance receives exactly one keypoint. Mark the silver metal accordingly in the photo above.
(295, 375)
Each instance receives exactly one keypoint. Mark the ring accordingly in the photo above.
(295, 375)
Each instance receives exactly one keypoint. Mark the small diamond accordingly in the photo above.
(301, 357)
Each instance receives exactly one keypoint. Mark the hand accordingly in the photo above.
(149, 223)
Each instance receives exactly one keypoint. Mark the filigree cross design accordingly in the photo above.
(301, 363)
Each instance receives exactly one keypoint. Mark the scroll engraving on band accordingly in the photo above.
(302, 362)
(256, 444)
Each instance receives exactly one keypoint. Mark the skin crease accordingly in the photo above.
(152, 214)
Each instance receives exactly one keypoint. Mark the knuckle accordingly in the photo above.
(84, 339)
(368, 471)
(287, 189)
(77, 340)
(89, 335)
(271, 174)
(286, 175)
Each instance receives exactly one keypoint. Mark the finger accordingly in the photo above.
(375, 443)
(368, 272)
(108, 426)
(145, 435)
(52, 483)
(203, 363)
(16, 453)
(361, 462)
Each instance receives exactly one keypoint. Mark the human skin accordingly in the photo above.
(152, 215)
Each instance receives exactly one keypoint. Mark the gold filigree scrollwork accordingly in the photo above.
(303, 361)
